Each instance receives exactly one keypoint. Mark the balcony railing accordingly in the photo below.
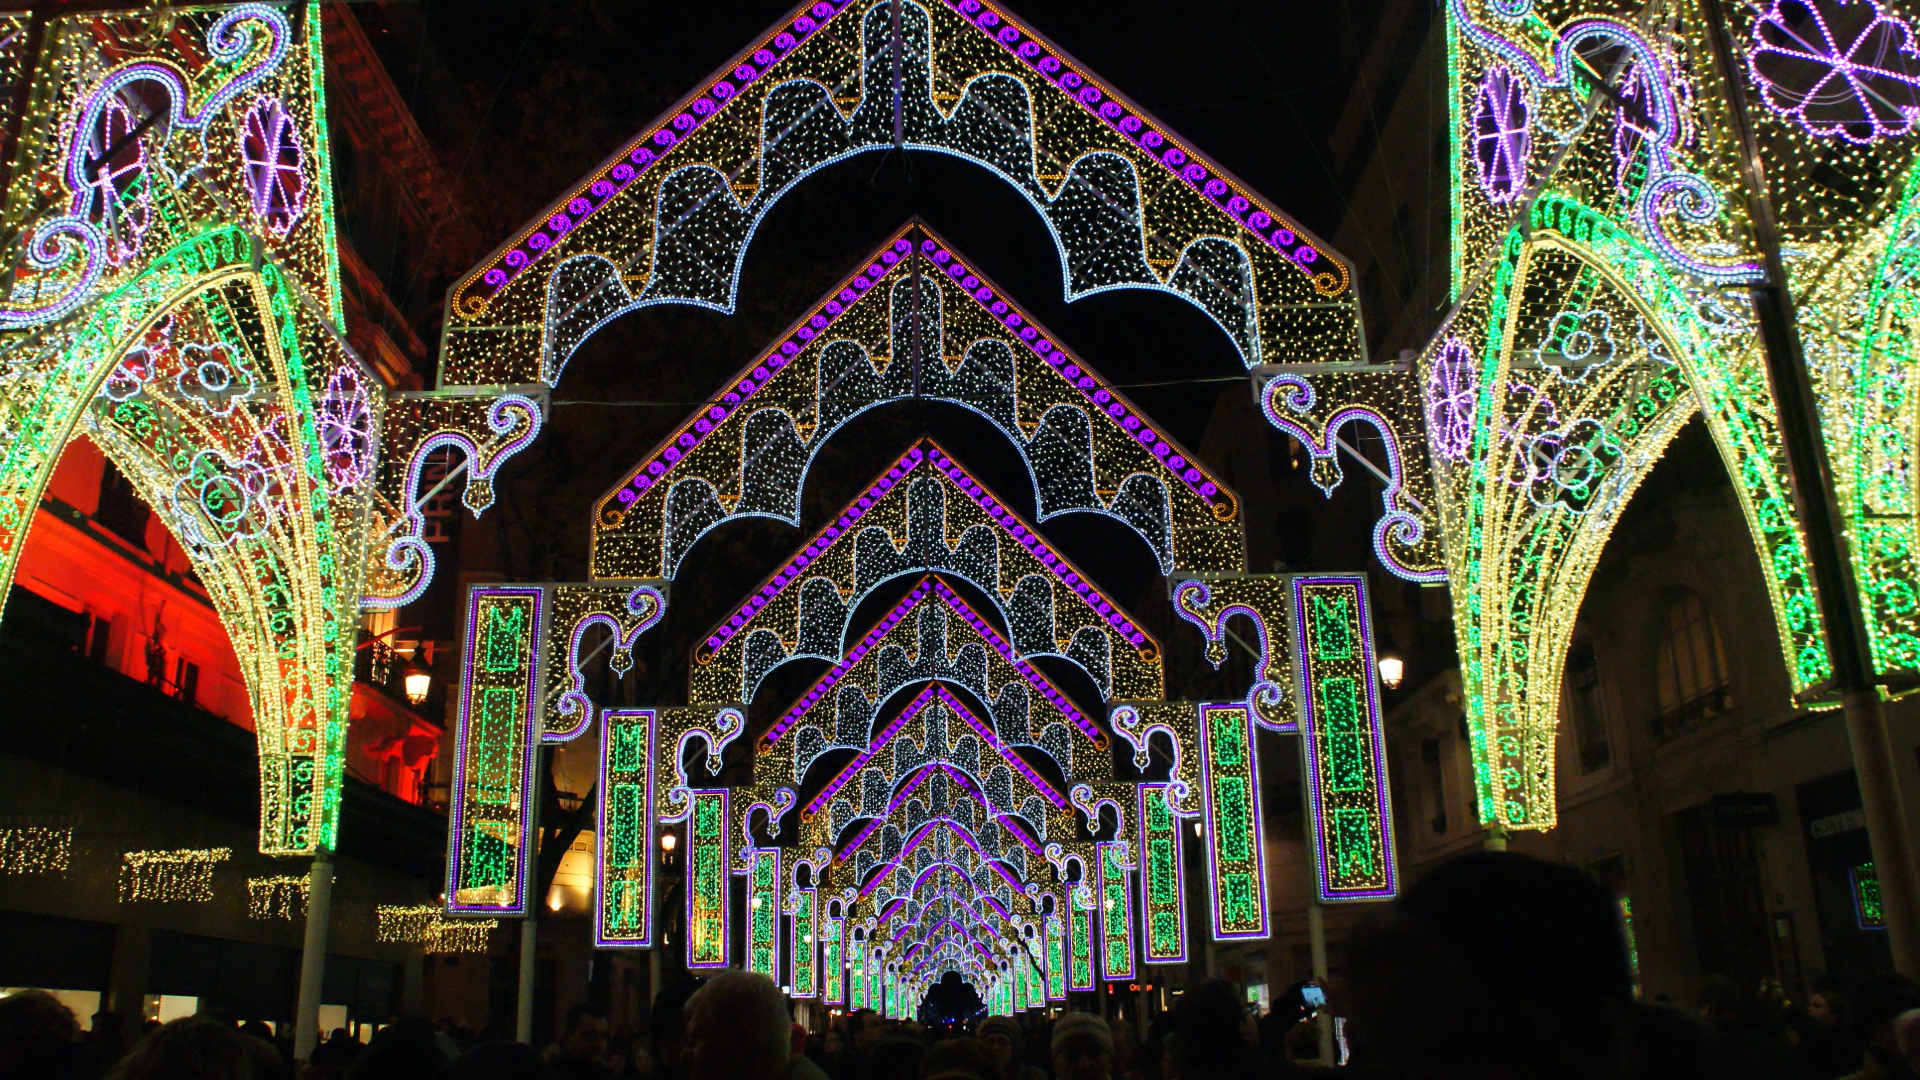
(1694, 713)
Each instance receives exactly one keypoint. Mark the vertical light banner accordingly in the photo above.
(857, 974)
(892, 994)
(493, 763)
(763, 912)
(1080, 945)
(708, 923)
(1343, 739)
(1116, 910)
(1236, 856)
(806, 943)
(1163, 883)
(875, 959)
(833, 964)
(1056, 956)
(623, 839)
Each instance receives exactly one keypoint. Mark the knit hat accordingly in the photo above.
(1082, 1025)
(1005, 1025)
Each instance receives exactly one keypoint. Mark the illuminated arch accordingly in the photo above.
(899, 526)
(1085, 446)
(668, 218)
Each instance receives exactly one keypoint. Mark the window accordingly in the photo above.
(121, 512)
(1436, 783)
(1587, 707)
(1689, 671)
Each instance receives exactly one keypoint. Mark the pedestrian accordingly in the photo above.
(581, 1053)
(191, 1048)
(737, 1029)
(896, 1058)
(960, 1059)
(1082, 1048)
(1006, 1043)
(1877, 1004)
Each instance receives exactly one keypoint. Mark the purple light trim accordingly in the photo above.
(966, 783)
(1378, 740)
(1263, 691)
(751, 381)
(928, 696)
(1105, 401)
(1501, 136)
(897, 474)
(894, 618)
(919, 837)
(457, 830)
(1846, 99)
(726, 876)
(645, 151)
(1186, 164)
(1100, 912)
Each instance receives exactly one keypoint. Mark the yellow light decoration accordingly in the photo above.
(282, 897)
(184, 876)
(35, 849)
(458, 935)
(404, 922)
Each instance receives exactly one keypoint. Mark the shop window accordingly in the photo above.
(1587, 707)
(1690, 671)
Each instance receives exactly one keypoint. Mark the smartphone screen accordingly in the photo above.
(1315, 997)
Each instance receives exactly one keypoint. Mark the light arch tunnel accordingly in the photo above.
(931, 740)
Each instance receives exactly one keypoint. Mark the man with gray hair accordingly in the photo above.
(737, 1029)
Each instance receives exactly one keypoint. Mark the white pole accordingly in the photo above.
(523, 1008)
(313, 955)
(1317, 945)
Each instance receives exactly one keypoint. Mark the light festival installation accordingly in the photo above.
(1603, 253)
(35, 849)
(183, 876)
(949, 804)
(177, 301)
(280, 896)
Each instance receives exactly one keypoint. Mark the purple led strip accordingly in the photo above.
(644, 152)
(1139, 127)
(1106, 402)
(895, 617)
(927, 696)
(897, 474)
(777, 582)
(756, 378)
(1259, 822)
(913, 845)
(967, 784)
(1377, 735)
(960, 873)
(457, 833)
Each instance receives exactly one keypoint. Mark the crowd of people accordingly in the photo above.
(1493, 967)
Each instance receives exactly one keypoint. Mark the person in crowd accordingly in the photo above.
(1006, 1043)
(1217, 1035)
(799, 1065)
(497, 1061)
(961, 1059)
(39, 1037)
(864, 1032)
(1126, 1050)
(1824, 1049)
(1496, 966)
(581, 1053)
(895, 1058)
(1082, 1048)
(337, 1053)
(403, 1050)
(737, 1029)
(833, 1059)
(667, 1028)
(191, 1048)
(1744, 1022)
(1878, 1003)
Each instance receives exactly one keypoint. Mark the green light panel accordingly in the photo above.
(1056, 958)
(763, 912)
(1348, 814)
(806, 946)
(1116, 911)
(488, 837)
(1162, 880)
(623, 842)
(1236, 856)
(707, 858)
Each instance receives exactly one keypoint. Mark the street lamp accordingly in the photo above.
(668, 841)
(418, 682)
(1391, 671)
